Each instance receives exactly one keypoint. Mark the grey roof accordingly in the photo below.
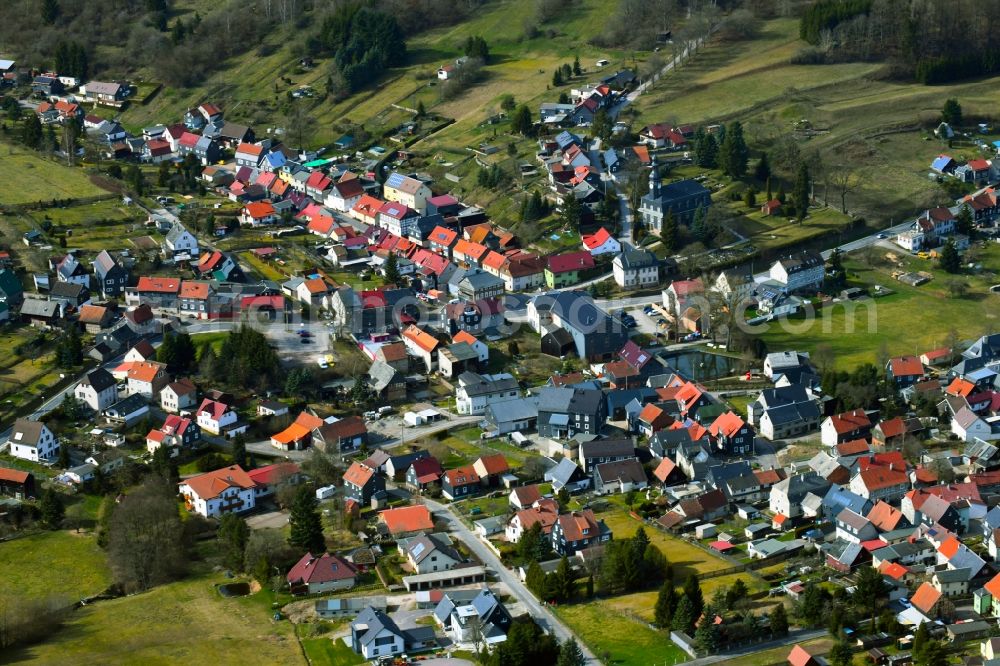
(623, 470)
(563, 472)
(30, 431)
(965, 417)
(129, 405)
(351, 604)
(635, 259)
(70, 290)
(32, 307)
(98, 379)
(475, 384)
(837, 498)
(381, 375)
(419, 548)
(824, 464)
(481, 280)
(722, 472)
(175, 232)
(375, 620)
(953, 575)
(461, 351)
(103, 263)
(852, 519)
(607, 448)
(800, 411)
(508, 411)
(569, 400)
(797, 485)
(801, 261)
(682, 189)
(786, 359)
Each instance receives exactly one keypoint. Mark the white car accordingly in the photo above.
(323, 364)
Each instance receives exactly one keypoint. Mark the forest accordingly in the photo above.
(181, 48)
(930, 41)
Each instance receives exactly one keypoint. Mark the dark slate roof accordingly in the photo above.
(607, 448)
(98, 379)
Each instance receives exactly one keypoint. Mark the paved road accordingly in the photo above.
(541, 614)
(796, 636)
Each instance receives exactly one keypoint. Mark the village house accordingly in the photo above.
(318, 574)
(475, 392)
(800, 272)
(216, 417)
(428, 553)
(636, 269)
(845, 427)
(407, 190)
(178, 395)
(563, 270)
(33, 441)
(362, 482)
(225, 490)
(98, 390)
(572, 532)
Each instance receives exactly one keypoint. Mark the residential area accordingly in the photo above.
(383, 364)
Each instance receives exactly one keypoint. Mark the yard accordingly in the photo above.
(57, 563)
(855, 332)
(628, 641)
(326, 652)
(186, 621)
(29, 178)
(779, 655)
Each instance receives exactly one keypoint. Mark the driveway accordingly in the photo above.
(541, 614)
(269, 520)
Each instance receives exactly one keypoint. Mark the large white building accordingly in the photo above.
(98, 390)
(636, 269)
(802, 271)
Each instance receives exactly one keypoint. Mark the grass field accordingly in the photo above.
(627, 641)
(779, 655)
(855, 334)
(183, 622)
(685, 557)
(62, 563)
(28, 178)
(326, 652)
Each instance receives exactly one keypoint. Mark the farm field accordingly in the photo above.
(157, 627)
(60, 563)
(28, 178)
(856, 333)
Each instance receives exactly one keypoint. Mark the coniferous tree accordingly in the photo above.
(52, 509)
(684, 615)
(706, 150)
(49, 11)
(692, 590)
(240, 451)
(577, 70)
(778, 621)
(392, 269)
(801, 192)
(733, 153)
(666, 602)
(669, 234)
(570, 654)
(964, 223)
(521, 121)
(306, 523)
(233, 534)
(950, 261)
(951, 112)
(31, 132)
(762, 172)
(557, 77)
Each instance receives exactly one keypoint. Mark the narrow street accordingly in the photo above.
(541, 614)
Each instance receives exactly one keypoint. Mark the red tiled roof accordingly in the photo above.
(727, 425)
(169, 285)
(906, 366)
(960, 387)
(877, 478)
(993, 586)
(14, 475)
(210, 485)
(358, 474)
(664, 469)
(323, 569)
(596, 239)
(493, 464)
(925, 597)
(272, 473)
(849, 421)
(407, 519)
(421, 338)
(884, 516)
(853, 447)
(573, 524)
(259, 209)
(572, 261)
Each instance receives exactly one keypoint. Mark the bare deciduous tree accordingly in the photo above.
(145, 539)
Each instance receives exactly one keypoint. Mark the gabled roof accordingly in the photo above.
(925, 598)
(358, 474)
(572, 261)
(407, 519)
(421, 338)
(212, 484)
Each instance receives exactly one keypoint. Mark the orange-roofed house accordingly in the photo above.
(147, 378)
(298, 435)
(575, 531)
(16, 483)
(960, 387)
(226, 490)
(407, 520)
(316, 292)
(460, 482)
(491, 469)
(886, 517)
(731, 434)
(904, 371)
(653, 419)
(668, 473)
(936, 357)
(441, 240)
(366, 209)
(993, 587)
(421, 344)
(926, 600)
(468, 253)
(799, 656)
(361, 482)
(482, 351)
(258, 214)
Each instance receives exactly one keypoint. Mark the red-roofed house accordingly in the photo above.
(326, 573)
(270, 477)
(361, 482)
(601, 242)
(936, 357)
(881, 483)
(904, 371)
(845, 427)
(668, 473)
(799, 656)
(421, 344)
(215, 417)
(926, 600)
(563, 270)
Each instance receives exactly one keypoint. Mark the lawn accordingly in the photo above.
(262, 268)
(779, 655)
(28, 178)
(327, 652)
(61, 563)
(856, 332)
(628, 641)
(183, 622)
(685, 557)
